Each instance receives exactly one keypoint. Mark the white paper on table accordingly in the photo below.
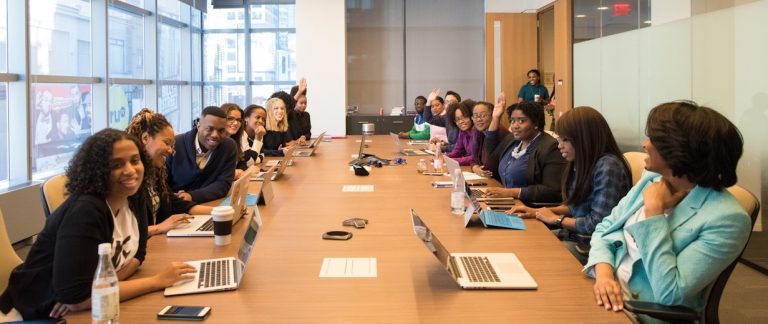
(472, 176)
(357, 188)
(367, 141)
(348, 268)
(438, 132)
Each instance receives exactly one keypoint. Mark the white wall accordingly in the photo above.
(321, 59)
(515, 6)
(717, 59)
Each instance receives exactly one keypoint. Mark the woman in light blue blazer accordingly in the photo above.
(677, 229)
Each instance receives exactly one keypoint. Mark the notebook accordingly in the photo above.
(309, 150)
(287, 155)
(476, 270)
(202, 225)
(491, 218)
(408, 152)
(223, 273)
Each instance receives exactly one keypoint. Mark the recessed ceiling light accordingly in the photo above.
(580, 16)
(602, 8)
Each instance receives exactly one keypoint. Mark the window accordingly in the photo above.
(61, 120)
(60, 37)
(3, 130)
(126, 44)
(265, 35)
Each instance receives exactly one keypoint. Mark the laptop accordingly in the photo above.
(479, 194)
(287, 155)
(265, 192)
(306, 151)
(360, 154)
(476, 270)
(491, 218)
(408, 152)
(202, 225)
(312, 144)
(223, 273)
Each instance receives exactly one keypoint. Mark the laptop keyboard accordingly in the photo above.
(207, 226)
(494, 218)
(479, 269)
(477, 193)
(213, 273)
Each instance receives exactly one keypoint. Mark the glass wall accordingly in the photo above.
(91, 64)
(249, 52)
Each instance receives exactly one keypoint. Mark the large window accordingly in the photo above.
(249, 52)
(3, 92)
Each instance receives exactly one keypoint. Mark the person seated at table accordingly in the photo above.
(290, 115)
(107, 203)
(235, 130)
(466, 147)
(203, 166)
(303, 120)
(420, 129)
(167, 211)
(435, 114)
(277, 137)
(597, 177)
(483, 165)
(528, 162)
(251, 141)
(533, 88)
(678, 227)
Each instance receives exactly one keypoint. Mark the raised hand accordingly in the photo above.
(501, 104)
(432, 95)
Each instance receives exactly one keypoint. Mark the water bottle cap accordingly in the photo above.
(105, 248)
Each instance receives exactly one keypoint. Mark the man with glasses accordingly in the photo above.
(204, 164)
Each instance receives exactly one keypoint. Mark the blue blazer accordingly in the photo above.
(210, 183)
(680, 254)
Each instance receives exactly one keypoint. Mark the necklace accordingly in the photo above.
(518, 151)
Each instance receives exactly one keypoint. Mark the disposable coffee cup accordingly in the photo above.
(536, 98)
(222, 224)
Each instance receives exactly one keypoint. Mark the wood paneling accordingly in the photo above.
(563, 56)
(519, 46)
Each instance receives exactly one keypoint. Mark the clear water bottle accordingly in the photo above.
(105, 293)
(421, 167)
(438, 160)
(457, 196)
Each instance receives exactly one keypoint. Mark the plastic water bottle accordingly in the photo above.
(105, 293)
(457, 196)
(438, 160)
(421, 167)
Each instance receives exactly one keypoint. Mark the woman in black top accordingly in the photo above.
(303, 121)
(107, 204)
(168, 211)
(277, 137)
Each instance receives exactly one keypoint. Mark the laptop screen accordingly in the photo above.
(430, 240)
(397, 142)
(249, 237)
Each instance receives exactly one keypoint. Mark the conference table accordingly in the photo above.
(282, 283)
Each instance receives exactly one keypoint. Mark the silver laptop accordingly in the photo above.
(265, 192)
(408, 152)
(202, 225)
(476, 270)
(304, 151)
(287, 155)
(223, 273)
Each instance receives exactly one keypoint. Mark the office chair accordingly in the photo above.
(636, 162)
(53, 193)
(682, 314)
(8, 257)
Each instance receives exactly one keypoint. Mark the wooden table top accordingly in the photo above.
(282, 282)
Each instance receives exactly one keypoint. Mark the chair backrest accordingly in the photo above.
(751, 205)
(8, 257)
(53, 193)
(636, 162)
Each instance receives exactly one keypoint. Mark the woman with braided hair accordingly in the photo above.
(168, 211)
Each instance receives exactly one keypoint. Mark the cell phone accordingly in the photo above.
(185, 313)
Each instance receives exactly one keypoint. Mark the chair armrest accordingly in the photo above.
(662, 312)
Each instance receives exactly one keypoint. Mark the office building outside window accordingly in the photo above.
(3, 93)
(249, 52)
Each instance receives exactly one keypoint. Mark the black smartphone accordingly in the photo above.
(185, 313)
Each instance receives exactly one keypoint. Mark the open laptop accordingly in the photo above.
(491, 218)
(360, 154)
(312, 144)
(306, 151)
(223, 273)
(265, 192)
(287, 155)
(202, 225)
(408, 152)
(476, 270)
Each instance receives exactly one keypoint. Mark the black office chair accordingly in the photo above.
(682, 314)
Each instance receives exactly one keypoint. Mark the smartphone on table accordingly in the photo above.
(188, 313)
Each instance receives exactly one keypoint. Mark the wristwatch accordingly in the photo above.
(559, 222)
